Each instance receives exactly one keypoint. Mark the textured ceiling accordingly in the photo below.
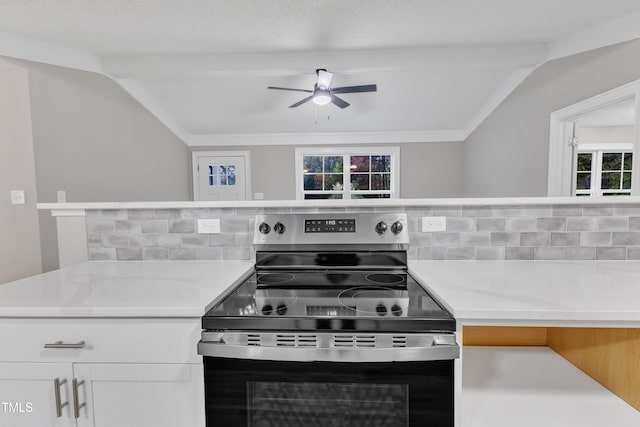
(207, 63)
(222, 26)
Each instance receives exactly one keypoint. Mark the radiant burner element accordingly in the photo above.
(388, 279)
(275, 278)
(375, 300)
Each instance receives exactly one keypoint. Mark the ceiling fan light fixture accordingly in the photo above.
(321, 98)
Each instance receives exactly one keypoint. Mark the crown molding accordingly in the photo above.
(339, 138)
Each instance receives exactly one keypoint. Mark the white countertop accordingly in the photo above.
(122, 289)
(562, 293)
(370, 203)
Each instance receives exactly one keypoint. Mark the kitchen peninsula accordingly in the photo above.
(119, 301)
(556, 269)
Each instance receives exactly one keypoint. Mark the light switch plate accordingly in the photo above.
(209, 226)
(434, 223)
(17, 197)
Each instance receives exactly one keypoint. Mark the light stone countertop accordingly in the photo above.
(559, 293)
(342, 203)
(588, 293)
(122, 289)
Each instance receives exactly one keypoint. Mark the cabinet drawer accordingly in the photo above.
(120, 340)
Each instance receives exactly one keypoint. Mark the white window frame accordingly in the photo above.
(347, 152)
(560, 178)
(596, 167)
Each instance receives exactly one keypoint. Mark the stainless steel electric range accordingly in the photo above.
(330, 330)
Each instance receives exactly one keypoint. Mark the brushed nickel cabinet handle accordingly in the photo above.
(57, 382)
(60, 344)
(76, 401)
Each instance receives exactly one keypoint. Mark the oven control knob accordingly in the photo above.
(281, 309)
(396, 310)
(267, 309)
(279, 228)
(264, 228)
(396, 227)
(381, 227)
(381, 309)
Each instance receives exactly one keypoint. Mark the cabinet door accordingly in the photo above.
(134, 395)
(28, 394)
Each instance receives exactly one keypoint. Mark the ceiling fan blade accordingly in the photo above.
(302, 101)
(353, 89)
(324, 78)
(288, 88)
(338, 101)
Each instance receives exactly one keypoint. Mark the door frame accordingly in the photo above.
(195, 156)
(561, 152)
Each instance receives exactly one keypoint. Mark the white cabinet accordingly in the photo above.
(28, 394)
(127, 372)
(134, 395)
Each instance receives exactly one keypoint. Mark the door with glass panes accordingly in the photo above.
(220, 177)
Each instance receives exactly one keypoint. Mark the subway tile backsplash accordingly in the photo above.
(527, 232)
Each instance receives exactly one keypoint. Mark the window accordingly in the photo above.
(603, 172)
(222, 175)
(592, 144)
(347, 173)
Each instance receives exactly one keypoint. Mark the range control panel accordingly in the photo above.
(332, 225)
(331, 229)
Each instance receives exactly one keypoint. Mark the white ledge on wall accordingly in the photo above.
(74, 208)
(64, 211)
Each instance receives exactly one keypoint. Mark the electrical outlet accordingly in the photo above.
(17, 197)
(434, 223)
(209, 226)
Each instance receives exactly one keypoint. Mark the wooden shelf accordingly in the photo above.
(534, 386)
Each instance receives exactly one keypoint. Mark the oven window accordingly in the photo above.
(292, 404)
(265, 393)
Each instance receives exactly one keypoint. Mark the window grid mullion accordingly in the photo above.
(594, 174)
(598, 188)
(346, 175)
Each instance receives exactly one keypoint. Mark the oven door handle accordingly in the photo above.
(353, 355)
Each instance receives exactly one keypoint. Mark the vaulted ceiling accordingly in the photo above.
(203, 66)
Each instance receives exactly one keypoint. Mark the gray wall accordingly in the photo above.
(97, 143)
(19, 235)
(432, 169)
(507, 155)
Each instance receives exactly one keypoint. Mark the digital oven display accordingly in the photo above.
(329, 225)
(330, 311)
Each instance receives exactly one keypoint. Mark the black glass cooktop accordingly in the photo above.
(335, 300)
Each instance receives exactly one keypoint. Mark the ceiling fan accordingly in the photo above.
(323, 93)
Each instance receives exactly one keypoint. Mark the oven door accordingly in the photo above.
(263, 393)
